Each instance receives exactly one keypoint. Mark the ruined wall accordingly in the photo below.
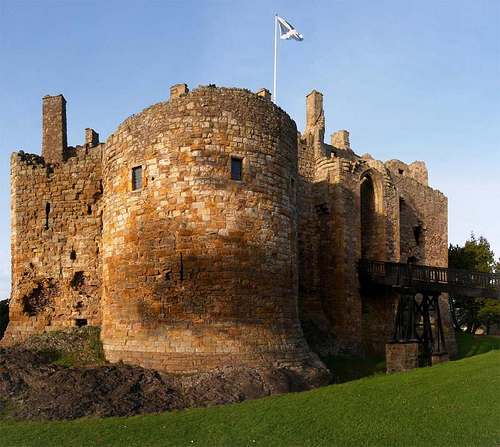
(354, 207)
(201, 270)
(423, 227)
(199, 267)
(308, 208)
(56, 225)
(423, 217)
(54, 134)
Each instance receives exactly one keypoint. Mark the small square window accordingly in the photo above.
(136, 178)
(401, 172)
(236, 169)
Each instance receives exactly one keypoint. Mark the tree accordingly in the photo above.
(469, 312)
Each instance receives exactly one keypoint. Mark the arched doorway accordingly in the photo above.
(371, 225)
(377, 306)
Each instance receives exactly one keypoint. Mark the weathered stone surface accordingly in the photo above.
(353, 207)
(189, 269)
(54, 134)
(401, 356)
(56, 235)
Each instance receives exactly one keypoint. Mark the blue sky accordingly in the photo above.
(413, 80)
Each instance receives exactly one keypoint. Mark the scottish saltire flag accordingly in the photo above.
(287, 31)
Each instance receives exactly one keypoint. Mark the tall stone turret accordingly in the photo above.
(200, 234)
(315, 123)
(54, 133)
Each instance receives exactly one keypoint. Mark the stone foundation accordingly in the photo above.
(440, 358)
(401, 356)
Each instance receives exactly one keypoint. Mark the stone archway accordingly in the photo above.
(377, 308)
(372, 226)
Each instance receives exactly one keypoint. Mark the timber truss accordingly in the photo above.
(418, 317)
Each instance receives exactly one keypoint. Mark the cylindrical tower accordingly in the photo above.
(199, 240)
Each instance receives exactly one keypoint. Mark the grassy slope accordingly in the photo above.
(349, 367)
(450, 404)
(471, 345)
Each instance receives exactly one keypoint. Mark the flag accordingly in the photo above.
(287, 31)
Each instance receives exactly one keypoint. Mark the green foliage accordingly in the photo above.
(468, 312)
(95, 345)
(449, 404)
(73, 347)
(476, 254)
(488, 312)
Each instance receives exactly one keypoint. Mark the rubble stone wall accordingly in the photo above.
(56, 227)
(187, 265)
(201, 270)
(355, 207)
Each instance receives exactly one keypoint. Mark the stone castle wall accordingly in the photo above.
(201, 270)
(354, 207)
(56, 227)
(189, 268)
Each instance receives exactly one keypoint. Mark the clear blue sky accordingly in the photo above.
(413, 80)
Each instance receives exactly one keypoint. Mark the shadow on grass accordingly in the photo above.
(470, 345)
(347, 367)
(350, 367)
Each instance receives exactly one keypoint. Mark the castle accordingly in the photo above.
(207, 231)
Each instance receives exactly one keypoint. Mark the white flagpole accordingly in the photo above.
(275, 53)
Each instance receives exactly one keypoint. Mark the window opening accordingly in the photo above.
(136, 178)
(402, 203)
(80, 322)
(417, 232)
(236, 169)
(401, 172)
(47, 212)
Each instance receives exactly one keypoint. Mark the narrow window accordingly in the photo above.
(402, 203)
(293, 192)
(47, 212)
(236, 169)
(136, 178)
(417, 232)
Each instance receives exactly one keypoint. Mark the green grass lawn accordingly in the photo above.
(470, 345)
(452, 404)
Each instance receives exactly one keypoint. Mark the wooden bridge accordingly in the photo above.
(418, 317)
(431, 279)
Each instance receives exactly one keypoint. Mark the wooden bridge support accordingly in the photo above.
(418, 336)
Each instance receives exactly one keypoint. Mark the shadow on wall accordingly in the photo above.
(4, 316)
(412, 234)
(337, 317)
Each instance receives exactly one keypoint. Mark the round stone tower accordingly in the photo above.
(199, 242)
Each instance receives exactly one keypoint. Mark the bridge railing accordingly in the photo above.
(478, 279)
(394, 273)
